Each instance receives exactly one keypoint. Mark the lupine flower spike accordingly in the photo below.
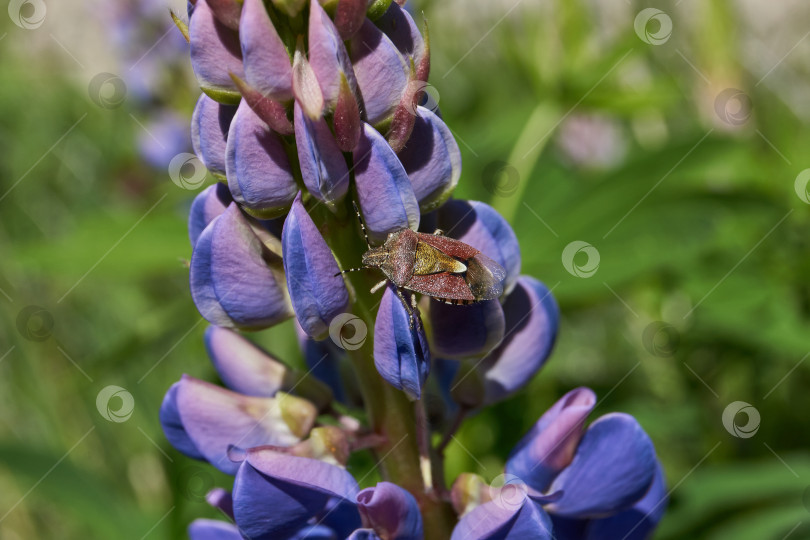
(333, 206)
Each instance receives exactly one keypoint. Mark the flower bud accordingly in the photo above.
(269, 110)
(381, 72)
(212, 419)
(259, 173)
(215, 53)
(232, 282)
(207, 205)
(398, 25)
(391, 511)
(323, 167)
(267, 64)
(318, 295)
(221, 500)
(327, 55)
(532, 319)
(481, 226)
(401, 353)
(348, 126)
(209, 133)
(384, 191)
(432, 160)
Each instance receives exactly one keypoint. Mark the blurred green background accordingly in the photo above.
(673, 151)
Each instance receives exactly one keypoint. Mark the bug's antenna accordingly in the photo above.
(362, 225)
(350, 270)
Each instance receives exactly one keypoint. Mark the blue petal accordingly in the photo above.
(482, 227)
(267, 63)
(211, 529)
(210, 203)
(532, 319)
(550, 445)
(209, 132)
(317, 294)
(215, 419)
(231, 282)
(215, 52)
(391, 511)
(259, 173)
(323, 167)
(516, 519)
(384, 191)
(398, 25)
(638, 522)
(276, 494)
(400, 351)
(613, 467)
(432, 160)
(464, 331)
(382, 74)
(222, 500)
(243, 366)
(341, 516)
(173, 426)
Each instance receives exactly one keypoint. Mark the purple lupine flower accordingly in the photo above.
(210, 203)
(259, 174)
(317, 291)
(400, 347)
(231, 282)
(307, 110)
(215, 53)
(209, 133)
(602, 471)
(204, 420)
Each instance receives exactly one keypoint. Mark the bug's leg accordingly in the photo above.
(438, 232)
(407, 306)
(378, 286)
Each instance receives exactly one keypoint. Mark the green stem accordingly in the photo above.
(390, 413)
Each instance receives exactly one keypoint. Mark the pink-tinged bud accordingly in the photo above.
(258, 170)
(227, 12)
(327, 55)
(349, 16)
(267, 63)
(323, 167)
(269, 110)
(215, 54)
(348, 125)
(382, 74)
(306, 87)
(403, 120)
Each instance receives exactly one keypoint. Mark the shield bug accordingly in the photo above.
(433, 265)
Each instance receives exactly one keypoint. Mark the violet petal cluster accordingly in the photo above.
(309, 108)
